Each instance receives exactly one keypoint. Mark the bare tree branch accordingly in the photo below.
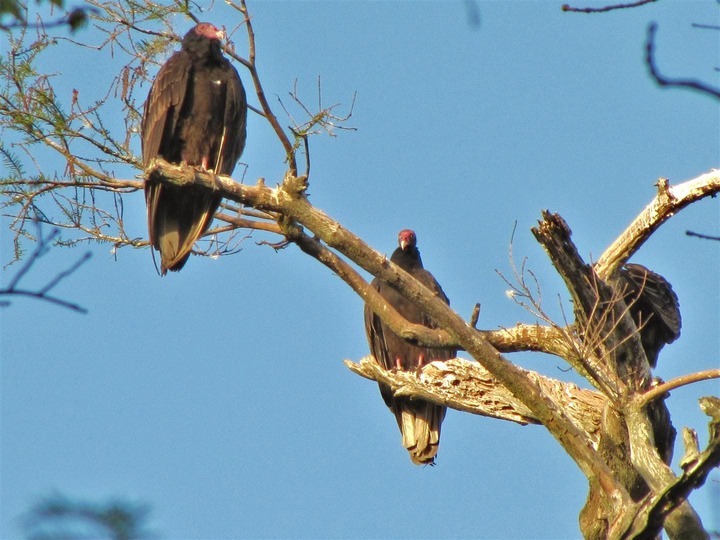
(288, 200)
(663, 388)
(42, 248)
(57, 516)
(668, 201)
(612, 7)
(665, 81)
(467, 386)
(610, 434)
(654, 511)
(703, 236)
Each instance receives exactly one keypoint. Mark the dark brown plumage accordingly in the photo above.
(195, 113)
(419, 421)
(654, 307)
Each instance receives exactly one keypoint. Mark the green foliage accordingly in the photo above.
(67, 152)
(12, 162)
(61, 160)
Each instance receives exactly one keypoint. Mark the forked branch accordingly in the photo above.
(288, 200)
(14, 288)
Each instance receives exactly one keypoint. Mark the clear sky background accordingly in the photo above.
(218, 395)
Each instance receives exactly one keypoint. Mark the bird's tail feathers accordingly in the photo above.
(177, 220)
(420, 423)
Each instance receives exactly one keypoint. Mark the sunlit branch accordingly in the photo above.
(668, 201)
(663, 388)
(467, 386)
(288, 200)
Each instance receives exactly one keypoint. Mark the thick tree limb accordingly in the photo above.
(558, 341)
(467, 386)
(616, 363)
(609, 334)
(679, 519)
(523, 337)
(658, 510)
(289, 201)
(668, 202)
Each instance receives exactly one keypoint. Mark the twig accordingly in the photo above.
(661, 389)
(703, 236)
(667, 82)
(267, 111)
(705, 26)
(42, 249)
(566, 7)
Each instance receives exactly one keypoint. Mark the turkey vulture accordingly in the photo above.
(655, 309)
(419, 421)
(195, 114)
(653, 306)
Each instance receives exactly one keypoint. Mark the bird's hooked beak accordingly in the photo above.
(221, 35)
(406, 239)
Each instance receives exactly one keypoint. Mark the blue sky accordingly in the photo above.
(218, 395)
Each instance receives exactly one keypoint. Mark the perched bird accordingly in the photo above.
(419, 421)
(195, 114)
(653, 306)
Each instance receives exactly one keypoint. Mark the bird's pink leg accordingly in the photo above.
(420, 363)
(398, 363)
